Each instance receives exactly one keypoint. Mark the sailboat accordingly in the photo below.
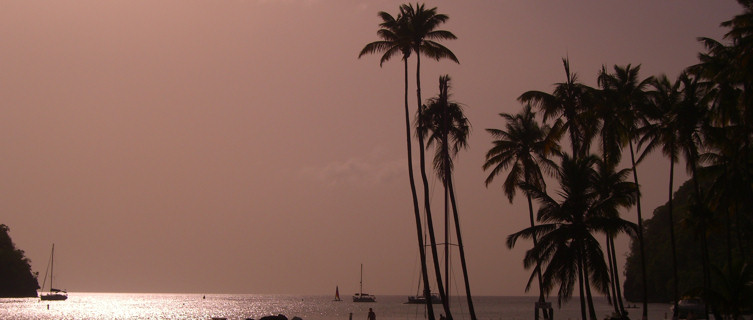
(363, 297)
(337, 294)
(53, 294)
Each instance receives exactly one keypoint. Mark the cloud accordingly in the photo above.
(358, 171)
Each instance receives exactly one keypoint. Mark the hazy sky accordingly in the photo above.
(241, 147)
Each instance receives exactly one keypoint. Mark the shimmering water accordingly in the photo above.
(194, 306)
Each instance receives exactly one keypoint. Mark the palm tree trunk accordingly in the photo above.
(618, 297)
(462, 251)
(704, 244)
(427, 204)
(613, 297)
(416, 209)
(446, 238)
(640, 234)
(672, 239)
(587, 286)
(538, 263)
(580, 288)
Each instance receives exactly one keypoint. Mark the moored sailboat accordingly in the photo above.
(53, 294)
(361, 296)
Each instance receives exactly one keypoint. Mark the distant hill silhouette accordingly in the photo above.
(659, 256)
(16, 278)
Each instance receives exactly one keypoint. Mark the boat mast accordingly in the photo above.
(360, 292)
(52, 265)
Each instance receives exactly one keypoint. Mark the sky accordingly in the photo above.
(241, 146)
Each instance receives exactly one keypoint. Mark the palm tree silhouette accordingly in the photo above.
(566, 233)
(662, 133)
(623, 100)
(421, 25)
(446, 126)
(395, 41)
(570, 99)
(524, 147)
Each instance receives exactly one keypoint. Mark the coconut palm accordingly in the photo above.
(421, 25)
(614, 193)
(621, 111)
(571, 100)
(395, 41)
(661, 133)
(690, 118)
(447, 127)
(567, 245)
(524, 147)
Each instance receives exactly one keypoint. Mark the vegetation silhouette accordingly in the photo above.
(524, 147)
(16, 278)
(415, 30)
(447, 127)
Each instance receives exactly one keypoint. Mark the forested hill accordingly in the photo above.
(16, 278)
(724, 246)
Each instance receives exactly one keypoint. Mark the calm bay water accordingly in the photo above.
(194, 306)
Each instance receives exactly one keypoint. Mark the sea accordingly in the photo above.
(97, 306)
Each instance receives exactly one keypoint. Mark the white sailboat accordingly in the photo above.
(53, 294)
(361, 296)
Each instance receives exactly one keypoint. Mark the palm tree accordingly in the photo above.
(566, 234)
(421, 25)
(690, 118)
(573, 101)
(624, 99)
(524, 147)
(613, 193)
(449, 130)
(395, 40)
(662, 133)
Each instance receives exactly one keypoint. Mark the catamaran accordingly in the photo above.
(53, 294)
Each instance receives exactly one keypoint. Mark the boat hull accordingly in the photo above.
(364, 298)
(53, 297)
(435, 299)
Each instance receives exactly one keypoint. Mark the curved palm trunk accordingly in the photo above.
(538, 263)
(416, 210)
(427, 204)
(587, 285)
(672, 238)
(580, 287)
(613, 297)
(618, 297)
(640, 234)
(462, 251)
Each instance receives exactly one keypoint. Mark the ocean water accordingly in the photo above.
(97, 306)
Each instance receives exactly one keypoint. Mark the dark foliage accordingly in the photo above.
(16, 278)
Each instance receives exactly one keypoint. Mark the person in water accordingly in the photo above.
(372, 315)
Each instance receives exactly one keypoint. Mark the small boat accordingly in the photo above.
(337, 294)
(361, 296)
(435, 299)
(53, 294)
(691, 308)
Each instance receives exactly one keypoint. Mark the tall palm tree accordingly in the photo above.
(421, 25)
(614, 193)
(621, 111)
(396, 41)
(566, 234)
(448, 128)
(661, 133)
(524, 147)
(571, 100)
(690, 118)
